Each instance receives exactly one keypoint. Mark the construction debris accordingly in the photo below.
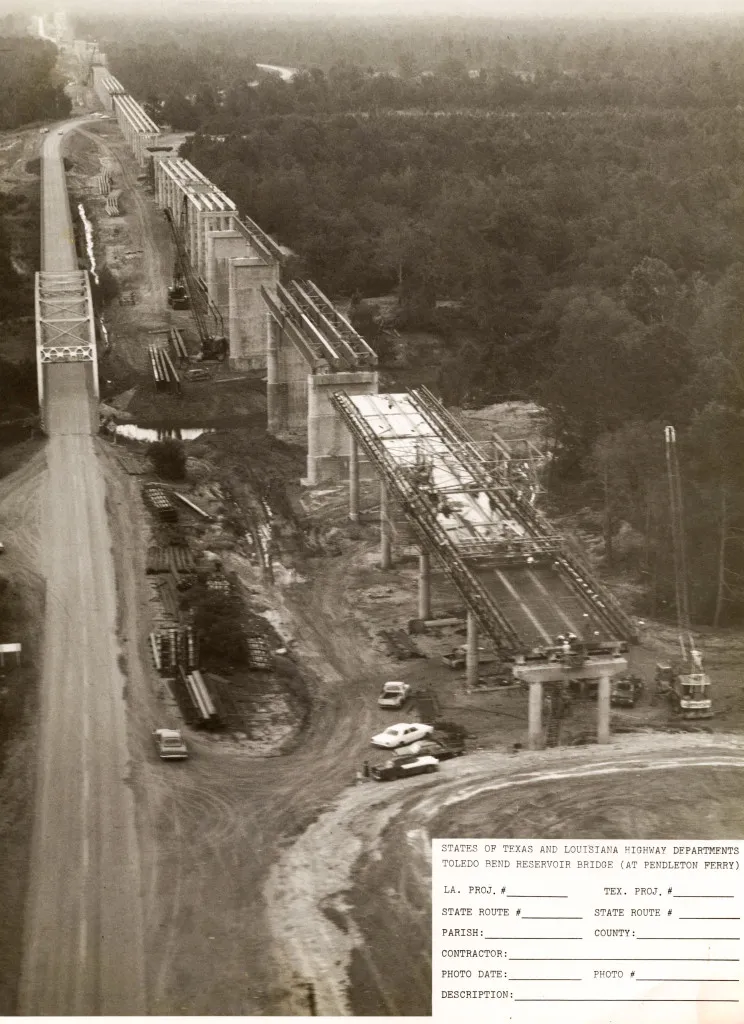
(199, 511)
(398, 644)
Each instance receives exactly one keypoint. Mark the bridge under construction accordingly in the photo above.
(518, 576)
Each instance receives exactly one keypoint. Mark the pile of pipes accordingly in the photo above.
(173, 558)
(103, 183)
(203, 707)
(112, 203)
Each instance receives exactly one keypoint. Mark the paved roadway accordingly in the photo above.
(83, 941)
(540, 604)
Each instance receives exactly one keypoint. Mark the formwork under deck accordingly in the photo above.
(516, 575)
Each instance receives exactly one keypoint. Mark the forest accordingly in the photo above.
(562, 208)
(29, 88)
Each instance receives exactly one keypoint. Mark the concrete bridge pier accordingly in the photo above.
(327, 435)
(424, 585)
(535, 738)
(353, 480)
(471, 652)
(603, 709)
(273, 410)
(593, 669)
(386, 555)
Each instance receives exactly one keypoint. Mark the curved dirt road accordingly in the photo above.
(83, 941)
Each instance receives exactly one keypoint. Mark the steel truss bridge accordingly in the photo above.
(65, 323)
(517, 575)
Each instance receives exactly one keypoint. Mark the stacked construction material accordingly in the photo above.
(103, 183)
(164, 373)
(158, 502)
(174, 648)
(259, 653)
(176, 558)
(219, 584)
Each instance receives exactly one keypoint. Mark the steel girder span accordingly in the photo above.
(512, 570)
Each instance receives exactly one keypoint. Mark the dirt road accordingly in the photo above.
(83, 943)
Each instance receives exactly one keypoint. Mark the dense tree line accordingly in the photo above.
(568, 221)
(29, 87)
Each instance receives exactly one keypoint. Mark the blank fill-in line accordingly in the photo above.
(548, 999)
(709, 919)
(526, 918)
(638, 959)
(509, 897)
(688, 938)
(546, 979)
(534, 938)
(687, 979)
(702, 897)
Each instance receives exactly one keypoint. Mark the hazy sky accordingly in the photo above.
(495, 8)
(397, 8)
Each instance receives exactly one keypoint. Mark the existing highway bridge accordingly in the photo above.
(83, 941)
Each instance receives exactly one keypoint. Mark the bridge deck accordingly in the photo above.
(540, 604)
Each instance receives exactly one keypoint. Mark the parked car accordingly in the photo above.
(394, 695)
(443, 750)
(403, 732)
(2, 548)
(170, 744)
(60, 132)
(404, 767)
(43, 131)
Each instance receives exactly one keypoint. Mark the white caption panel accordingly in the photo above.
(587, 931)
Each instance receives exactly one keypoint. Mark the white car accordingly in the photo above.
(170, 745)
(404, 732)
(394, 695)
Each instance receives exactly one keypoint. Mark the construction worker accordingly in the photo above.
(365, 770)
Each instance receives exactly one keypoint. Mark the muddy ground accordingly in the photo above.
(273, 882)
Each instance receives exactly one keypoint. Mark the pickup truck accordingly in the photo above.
(170, 745)
(394, 695)
(404, 767)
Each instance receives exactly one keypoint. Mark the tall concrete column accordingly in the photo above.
(386, 559)
(424, 585)
(273, 411)
(603, 709)
(353, 479)
(534, 717)
(471, 651)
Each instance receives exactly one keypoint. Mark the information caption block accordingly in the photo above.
(587, 931)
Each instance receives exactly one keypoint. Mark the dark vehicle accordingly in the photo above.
(404, 767)
(626, 691)
(443, 750)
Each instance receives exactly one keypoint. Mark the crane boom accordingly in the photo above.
(213, 345)
(678, 542)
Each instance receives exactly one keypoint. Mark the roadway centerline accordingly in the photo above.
(527, 611)
(541, 587)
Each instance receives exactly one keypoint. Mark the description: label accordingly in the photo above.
(587, 931)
